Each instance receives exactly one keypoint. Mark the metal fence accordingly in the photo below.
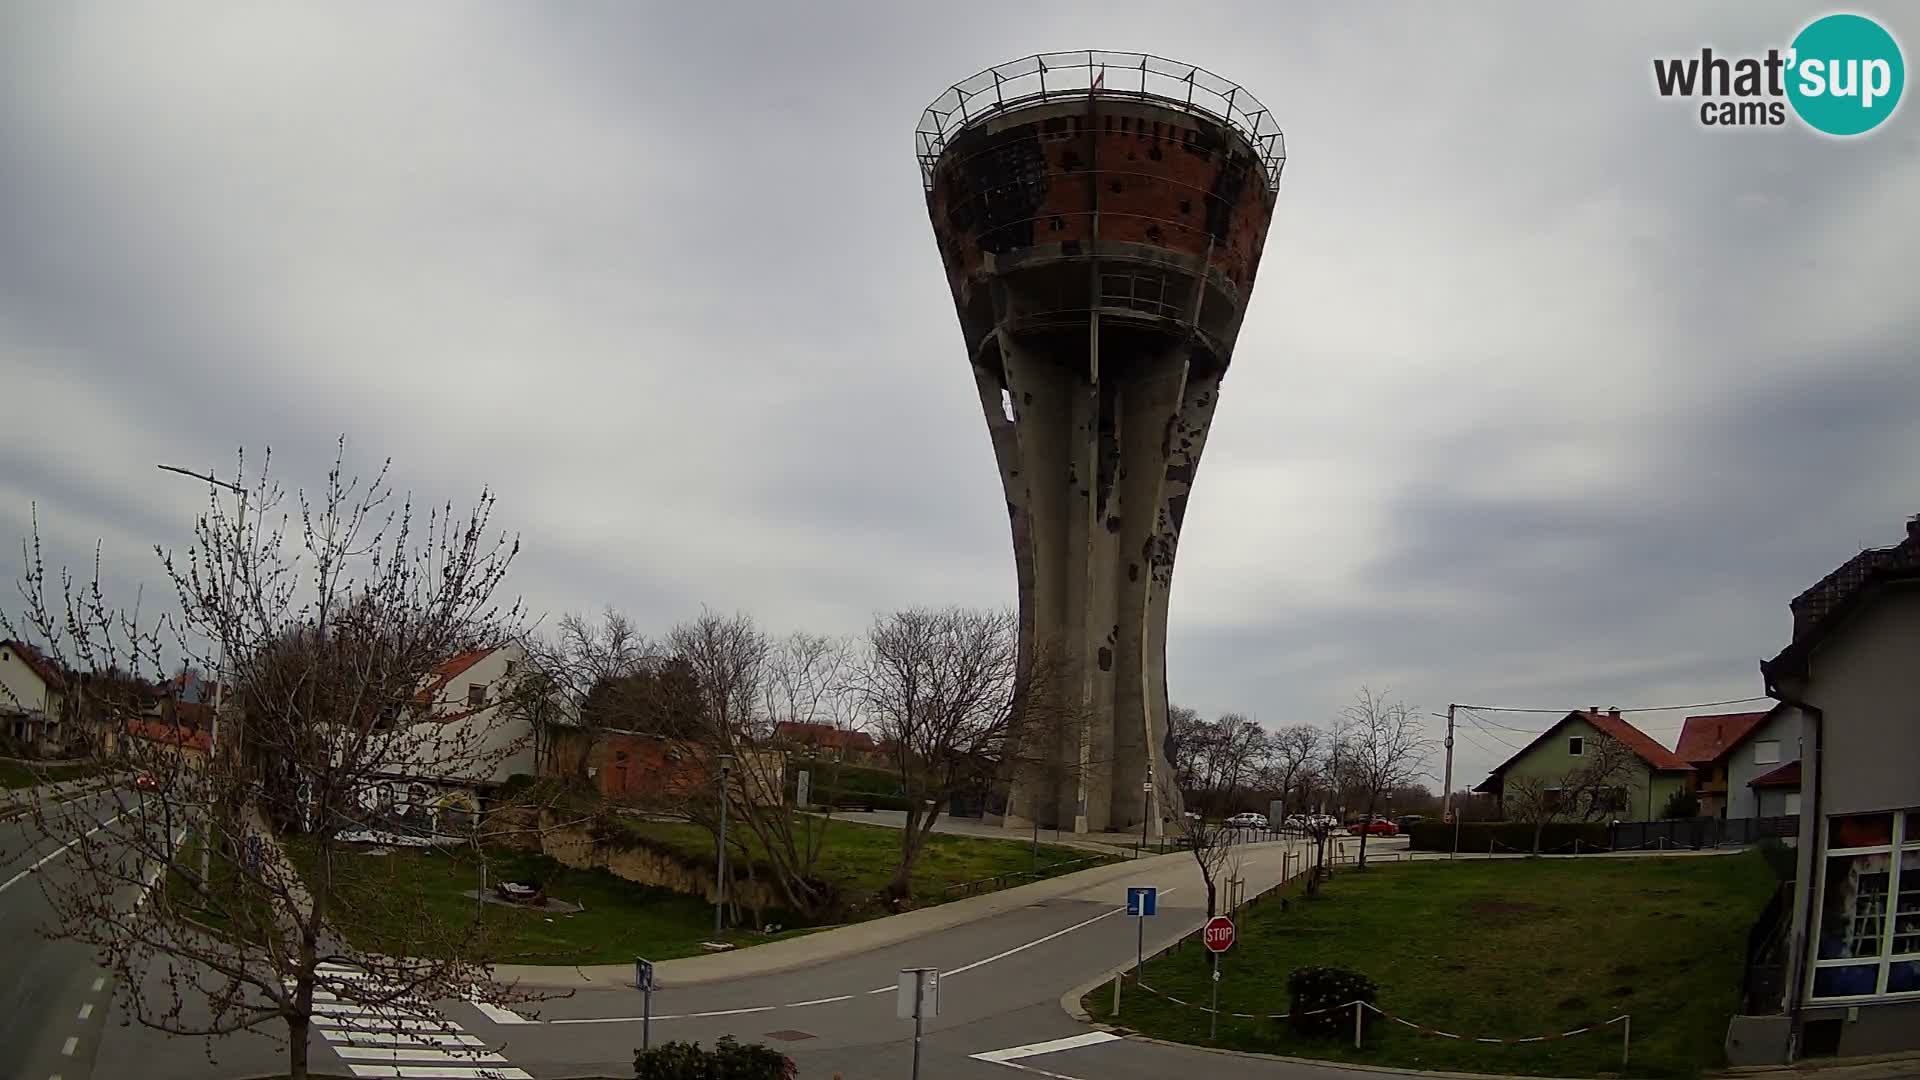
(1699, 833)
(1093, 73)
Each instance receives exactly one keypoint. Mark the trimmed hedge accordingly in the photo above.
(1316, 996)
(728, 1060)
(1508, 836)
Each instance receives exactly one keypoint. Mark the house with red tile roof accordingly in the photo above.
(1732, 750)
(1653, 778)
(32, 695)
(1851, 675)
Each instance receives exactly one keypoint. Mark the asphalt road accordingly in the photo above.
(1002, 980)
(1001, 985)
(53, 999)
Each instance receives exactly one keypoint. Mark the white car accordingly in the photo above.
(1247, 821)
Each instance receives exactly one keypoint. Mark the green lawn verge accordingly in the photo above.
(860, 858)
(18, 774)
(383, 901)
(1504, 948)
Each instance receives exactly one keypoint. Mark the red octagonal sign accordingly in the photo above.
(1218, 936)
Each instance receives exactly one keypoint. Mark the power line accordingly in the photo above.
(1635, 709)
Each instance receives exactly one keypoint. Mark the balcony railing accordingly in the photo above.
(1091, 74)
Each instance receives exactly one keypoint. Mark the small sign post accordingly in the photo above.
(1142, 901)
(1218, 938)
(802, 785)
(918, 997)
(643, 980)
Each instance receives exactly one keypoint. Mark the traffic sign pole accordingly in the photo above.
(1139, 948)
(1213, 1017)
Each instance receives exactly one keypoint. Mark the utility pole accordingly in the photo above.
(720, 873)
(1446, 794)
(220, 676)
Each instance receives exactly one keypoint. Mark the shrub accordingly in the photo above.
(1509, 835)
(1681, 804)
(1316, 995)
(728, 1060)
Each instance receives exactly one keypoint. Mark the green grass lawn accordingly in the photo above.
(16, 774)
(414, 900)
(860, 858)
(1507, 948)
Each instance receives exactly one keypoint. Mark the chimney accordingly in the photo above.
(1593, 708)
(1913, 528)
(1614, 712)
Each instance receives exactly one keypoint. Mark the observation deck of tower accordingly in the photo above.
(1101, 217)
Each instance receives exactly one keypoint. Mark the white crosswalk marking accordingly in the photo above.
(402, 1040)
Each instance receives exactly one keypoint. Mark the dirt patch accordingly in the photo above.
(1572, 1003)
(1626, 970)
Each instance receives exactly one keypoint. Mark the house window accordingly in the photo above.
(511, 664)
(1766, 752)
(1576, 745)
(476, 695)
(1869, 907)
(1792, 804)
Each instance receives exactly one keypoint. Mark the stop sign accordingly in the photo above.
(1218, 936)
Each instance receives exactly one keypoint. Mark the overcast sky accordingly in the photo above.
(1547, 394)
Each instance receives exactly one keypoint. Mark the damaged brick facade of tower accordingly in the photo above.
(1101, 217)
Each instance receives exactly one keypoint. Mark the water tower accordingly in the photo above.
(1101, 217)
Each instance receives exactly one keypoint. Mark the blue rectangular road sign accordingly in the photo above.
(1142, 900)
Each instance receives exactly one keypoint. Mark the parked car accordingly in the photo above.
(1295, 821)
(1247, 820)
(1408, 821)
(1377, 827)
(146, 782)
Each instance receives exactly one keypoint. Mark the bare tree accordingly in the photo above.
(746, 684)
(1184, 729)
(1223, 759)
(333, 613)
(580, 678)
(950, 697)
(1292, 752)
(1386, 746)
(1586, 792)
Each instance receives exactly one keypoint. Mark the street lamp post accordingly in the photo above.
(720, 879)
(220, 675)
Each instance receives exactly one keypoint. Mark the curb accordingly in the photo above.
(1323, 1063)
(1867, 1067)
(825, 946)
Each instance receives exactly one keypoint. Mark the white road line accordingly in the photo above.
(417, 1039)
(1031, 944)
(497, 1014)
(375, 1023)
(67, 1048)
(442, 1072)
(1091, 1038)
(59, 851)
(159, 868)
(397, 1054)
(86, 1010)
(616, 1019)
(98, 984)
(816, 1001)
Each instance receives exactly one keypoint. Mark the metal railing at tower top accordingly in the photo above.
(1092, 73)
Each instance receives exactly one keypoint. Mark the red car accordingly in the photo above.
(146, 782)
(1378, 827)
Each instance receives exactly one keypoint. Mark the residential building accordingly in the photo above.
(465, 740)
(1653, 776)
(829, 739)
(32, 698)
(1851, 675)
(1732, 751)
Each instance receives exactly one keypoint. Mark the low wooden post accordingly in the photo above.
(1626, 1040)
(1116, 993)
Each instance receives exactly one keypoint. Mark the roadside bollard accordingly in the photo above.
(1116, 993)
(1356, 1024)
